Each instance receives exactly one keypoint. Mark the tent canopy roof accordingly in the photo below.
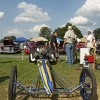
(59, 39)
(83, 39)
(20, 39)
(39, 38)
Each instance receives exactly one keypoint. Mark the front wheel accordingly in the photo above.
(88, 89)
(12, 84)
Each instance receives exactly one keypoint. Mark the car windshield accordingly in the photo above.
(32, 44)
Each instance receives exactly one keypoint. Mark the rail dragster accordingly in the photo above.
(43, 57)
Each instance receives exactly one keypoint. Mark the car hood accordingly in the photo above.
(8, 42)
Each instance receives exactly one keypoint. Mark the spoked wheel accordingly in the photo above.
(12, 84)
(88, 89)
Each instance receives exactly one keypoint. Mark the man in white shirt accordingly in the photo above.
(90, 40)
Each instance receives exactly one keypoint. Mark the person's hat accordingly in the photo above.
(69, 27)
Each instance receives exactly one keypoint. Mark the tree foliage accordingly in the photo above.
(45, 32)
(8, 37)
(61, 31)
(96, 33)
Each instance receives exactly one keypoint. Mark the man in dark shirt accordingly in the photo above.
(54, 46)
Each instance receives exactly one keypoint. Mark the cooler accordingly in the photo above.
(83, 52)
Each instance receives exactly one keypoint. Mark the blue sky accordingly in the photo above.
(26, 17)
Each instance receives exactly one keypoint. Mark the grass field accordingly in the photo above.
(27, 71)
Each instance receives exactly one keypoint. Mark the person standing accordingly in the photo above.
(75, 46)
(90, 40)
(54, 46)
(69, 39)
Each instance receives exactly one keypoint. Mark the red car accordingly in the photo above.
(29, 46)
(80, 45)
(61, 50)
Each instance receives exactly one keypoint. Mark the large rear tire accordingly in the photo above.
(88, 89)
(12, 84)
(31, 55)
(31, 58)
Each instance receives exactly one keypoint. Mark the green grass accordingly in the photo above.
(12, 54)
(27, 71)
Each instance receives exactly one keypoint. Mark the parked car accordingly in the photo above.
(98, 49)
(29, 46)
(61, 50)
(9, 46)
(80, 45)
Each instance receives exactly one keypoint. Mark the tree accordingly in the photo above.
(10, 37)
(77, 32)
(61, 31)
(45, 32)
(96, 33)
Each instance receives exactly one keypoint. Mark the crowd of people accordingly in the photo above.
(70, 42)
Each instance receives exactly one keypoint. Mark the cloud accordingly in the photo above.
(81, 21)
(32, 13)
(84, 24)
(38, 27)
(62, 26)
(85, 28)
(90, 8)
(1, 14)
(27, 33)
(15, 31)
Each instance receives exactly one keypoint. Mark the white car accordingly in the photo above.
(9, 47)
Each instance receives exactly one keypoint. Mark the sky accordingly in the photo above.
(24, 18)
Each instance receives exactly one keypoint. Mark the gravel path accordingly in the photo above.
(72, 96)
(26, 56)
(19, 56)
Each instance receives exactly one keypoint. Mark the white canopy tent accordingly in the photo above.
(39, 38)
(84, 39)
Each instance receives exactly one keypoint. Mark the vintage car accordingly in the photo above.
(98, 49)
(9, 47)
(80, 45)
(61, 49)
(29, 46)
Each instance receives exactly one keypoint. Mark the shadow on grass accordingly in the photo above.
(62, 60)
(2, 79)
(7, 62)
(53, 63)
(76, 61)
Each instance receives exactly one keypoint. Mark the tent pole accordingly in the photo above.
(23, 54)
